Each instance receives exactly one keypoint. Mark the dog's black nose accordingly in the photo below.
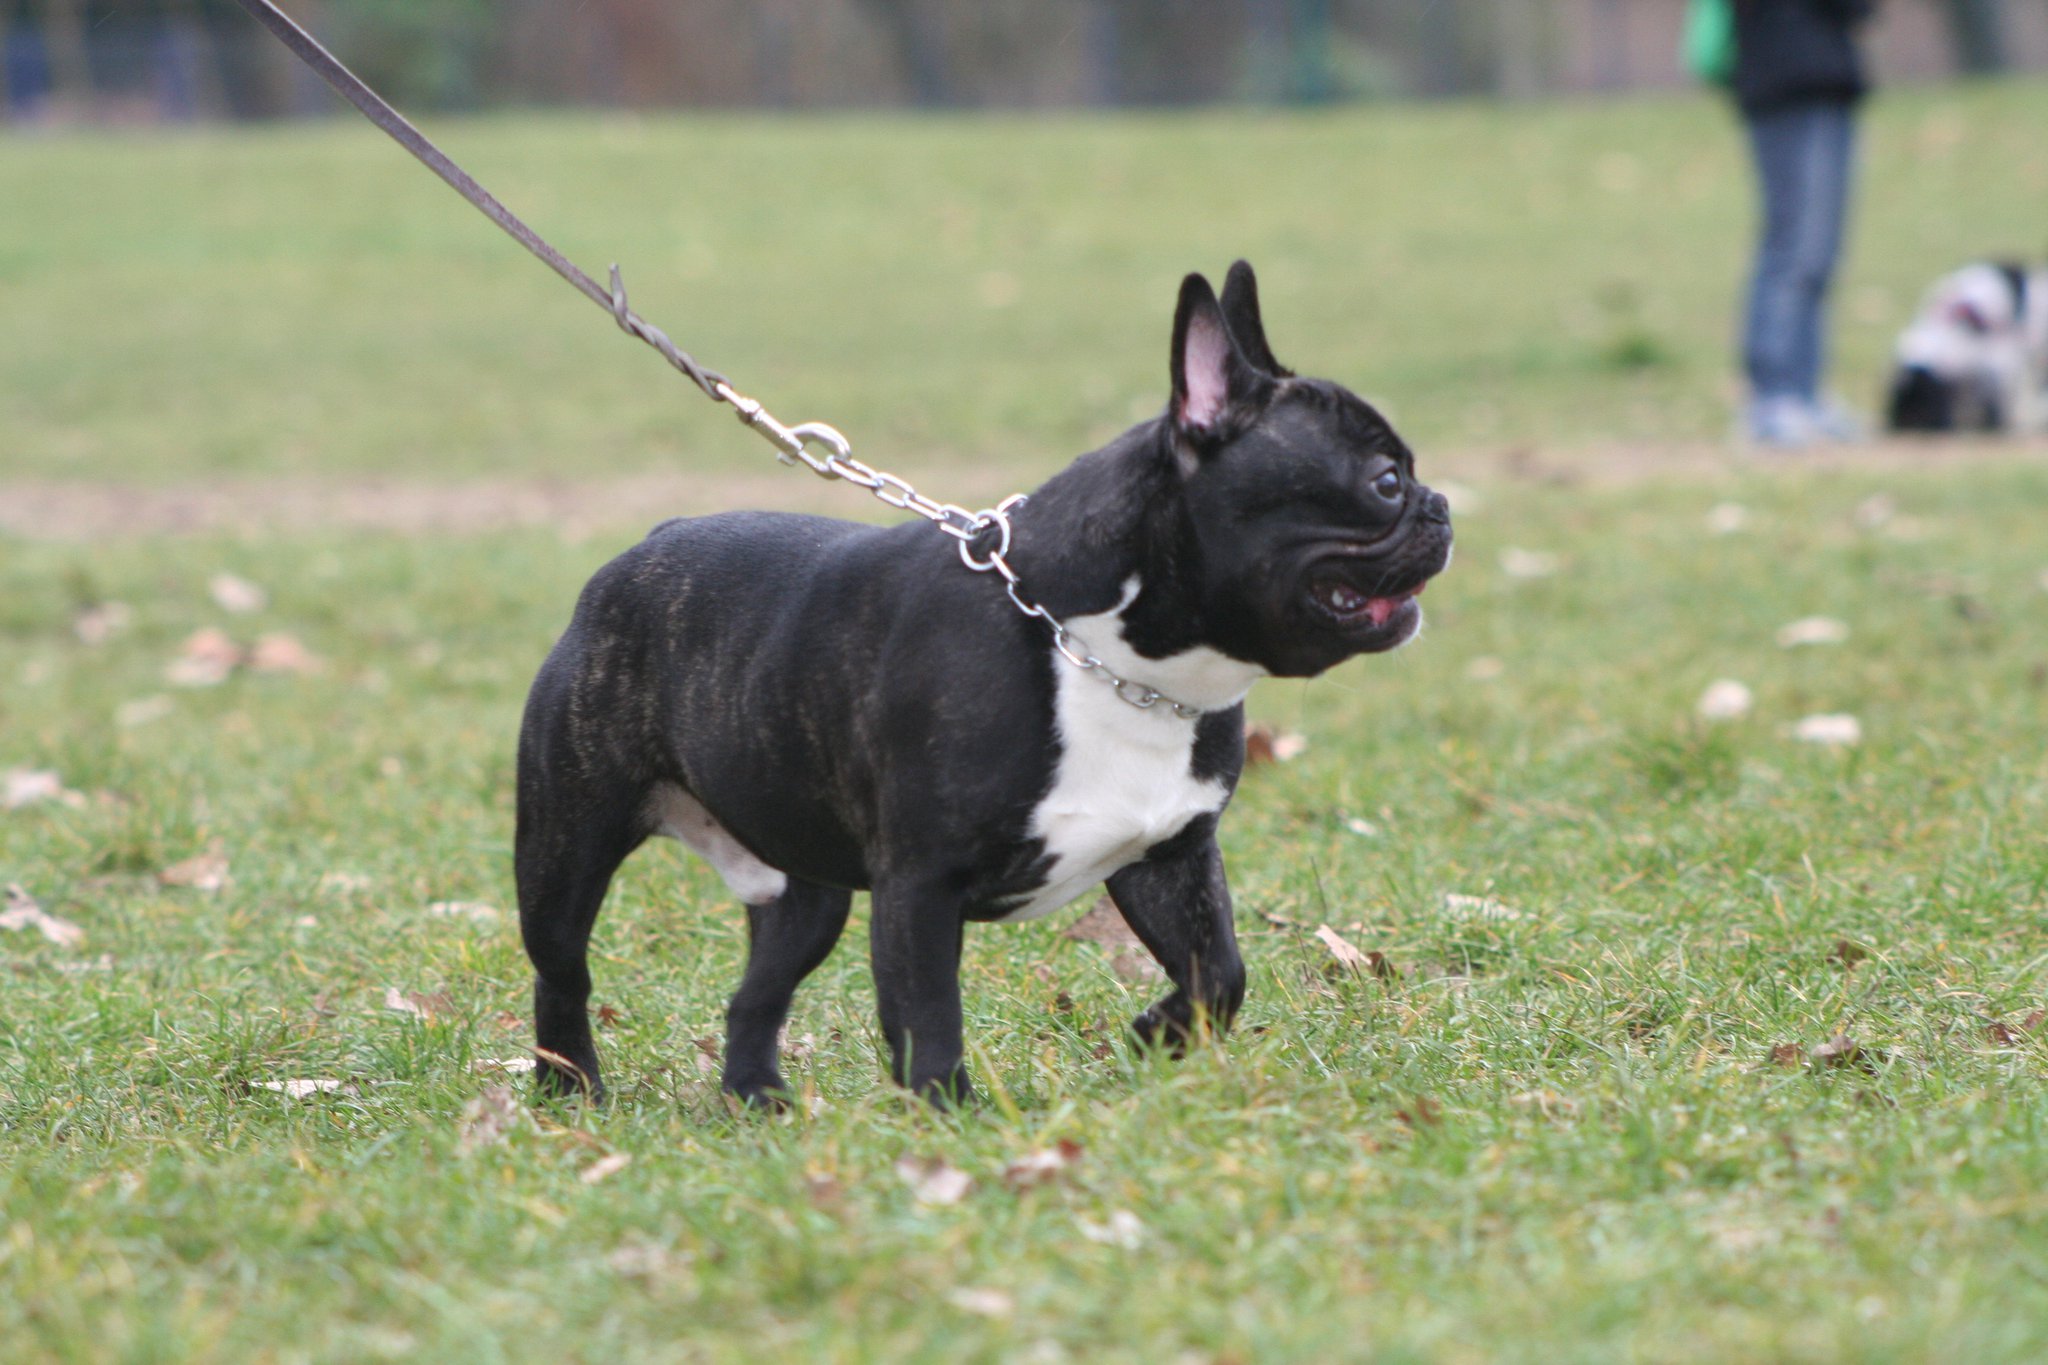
(1435, 507)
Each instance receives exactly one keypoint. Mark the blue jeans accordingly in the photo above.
(1803, 155)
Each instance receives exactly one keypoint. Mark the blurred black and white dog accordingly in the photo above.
(1975, 357)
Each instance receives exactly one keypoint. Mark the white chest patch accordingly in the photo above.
(681, 816)
(1126, 779)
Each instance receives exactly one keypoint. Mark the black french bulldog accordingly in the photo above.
(819, 707)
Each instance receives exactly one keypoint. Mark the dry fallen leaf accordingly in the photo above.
(1835, 730)
(305, 1089)
(1423, 1113)
(1812, 630)
(27, 786)
(607, 1015)
(1788, 1054)
(1258, 745)
(475, 911)
(420, 1006)
(1546, 1102)
(202, 872)
(1121, 1229)
(1847, 953)
(23, 912)
(1726, 518)
(281, 653)
(1519, 563)
(933, 1180)
(605, 1166)
(237, 595)
(824, 1191)
(204, 660)
(707, 1056)
(1481, 908)
(2003, 1034)
(1725, 699)
(99, 623)
(989, 1303)
(1264, 744)
(1348, 958)
(508, 1066)
(645, 1261)
(142, 711)
(1042, 1167)
(487, 1119)
(1874, 511)
(1463, 498)
(1843, 1051)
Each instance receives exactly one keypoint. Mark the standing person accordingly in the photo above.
(1797, 79)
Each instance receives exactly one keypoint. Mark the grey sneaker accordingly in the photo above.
(1781, 421)
(1833, 422)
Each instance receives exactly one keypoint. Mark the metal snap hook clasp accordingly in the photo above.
(825, 435)
(798, 439)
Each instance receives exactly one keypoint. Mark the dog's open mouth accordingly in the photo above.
(1353, 607)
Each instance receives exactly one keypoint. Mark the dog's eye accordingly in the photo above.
(1388, 484)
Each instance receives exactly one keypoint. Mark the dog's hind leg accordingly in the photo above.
(565, 851)
(786, 939)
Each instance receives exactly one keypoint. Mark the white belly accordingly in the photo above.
(1126, 779)
(681, 816)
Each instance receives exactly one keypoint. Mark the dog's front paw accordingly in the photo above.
(949, 1092)
(561, 1083)
(759, 1092)
(1159, 1028)
(1175, 1023)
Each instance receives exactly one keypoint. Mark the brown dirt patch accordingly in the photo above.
(81, 510)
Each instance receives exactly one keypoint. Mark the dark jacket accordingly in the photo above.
(1797, 51)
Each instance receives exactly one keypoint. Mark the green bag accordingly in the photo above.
(1709, 44)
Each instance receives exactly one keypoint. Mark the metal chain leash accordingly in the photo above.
(792, 444)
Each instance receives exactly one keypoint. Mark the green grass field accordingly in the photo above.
(1584, 1122)
(311, 302)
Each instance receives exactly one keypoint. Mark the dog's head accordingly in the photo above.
(1313, 535)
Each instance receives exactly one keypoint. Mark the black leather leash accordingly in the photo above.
(374, 108)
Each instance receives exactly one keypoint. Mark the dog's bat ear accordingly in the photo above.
(1210, 374)
(1241, 315)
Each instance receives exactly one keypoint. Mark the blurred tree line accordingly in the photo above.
(205, 58)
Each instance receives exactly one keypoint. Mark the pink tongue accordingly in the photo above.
(1381, 608)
